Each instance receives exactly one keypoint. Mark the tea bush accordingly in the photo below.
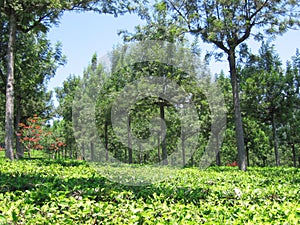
(74, 192)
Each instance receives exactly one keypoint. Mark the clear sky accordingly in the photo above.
(83, 34)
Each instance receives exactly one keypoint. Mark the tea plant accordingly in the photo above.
(75, 192)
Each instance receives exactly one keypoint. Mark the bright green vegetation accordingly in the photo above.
(73, 192)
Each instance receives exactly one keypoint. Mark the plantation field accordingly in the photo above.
(73, 192)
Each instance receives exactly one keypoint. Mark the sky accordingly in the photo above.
(83, 34)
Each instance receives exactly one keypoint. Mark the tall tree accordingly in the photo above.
(65, 96)
(229, 23)
(270, 95)
(40, 61)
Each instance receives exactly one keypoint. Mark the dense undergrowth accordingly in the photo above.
(73, 192)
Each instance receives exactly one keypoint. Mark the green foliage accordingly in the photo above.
(270, 95)
(73, 192)
(65, 96)
(125, 72)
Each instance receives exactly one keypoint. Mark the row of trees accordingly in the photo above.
(269, 104)
(225, 24)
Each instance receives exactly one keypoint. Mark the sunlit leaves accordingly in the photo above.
(69, 192)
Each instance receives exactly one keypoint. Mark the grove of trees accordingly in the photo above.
(261, 92)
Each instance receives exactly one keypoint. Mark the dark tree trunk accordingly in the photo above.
(163, 139)
(83, 151)
(247, 155)
(9, 112)
(274, 131)
(158, 146)
(218, 155)
(237, 112)
(70, 152)
(76, 155)
(129, 140)
(106, 140)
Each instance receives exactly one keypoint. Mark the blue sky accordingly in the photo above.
(83, 34)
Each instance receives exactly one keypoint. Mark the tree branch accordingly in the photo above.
(258, 10)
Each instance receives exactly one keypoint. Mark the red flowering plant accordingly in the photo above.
(34, 135)
(31, 133)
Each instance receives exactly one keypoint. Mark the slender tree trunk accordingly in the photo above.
(19, 147)
(158, 146)
(129, 140)
(237, 112)
(92, 151)
(294, 155)
(218, 155)
(83, 151)
(70, 152)
(106, 140)
(275, 142)
(76, 154)
(163, 140)
(9, 113)
(183, 149)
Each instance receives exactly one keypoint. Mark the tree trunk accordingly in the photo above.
(163, 139)
(158, 147)
(274, 131)
(192, 159)
(237, 112)
(92, 151)
(83, 151)
(70, 152)
(294, 155)
(106, 140)
(183, 149)
(19, 147)
(9, 112)
(218, 155)
(129, 140)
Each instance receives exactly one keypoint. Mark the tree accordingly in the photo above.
(27, 15)
(229, 23)
(291, 118)
(265, 84)
(83, 107)
(157, 124)
(270, 96)
(65, 96)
